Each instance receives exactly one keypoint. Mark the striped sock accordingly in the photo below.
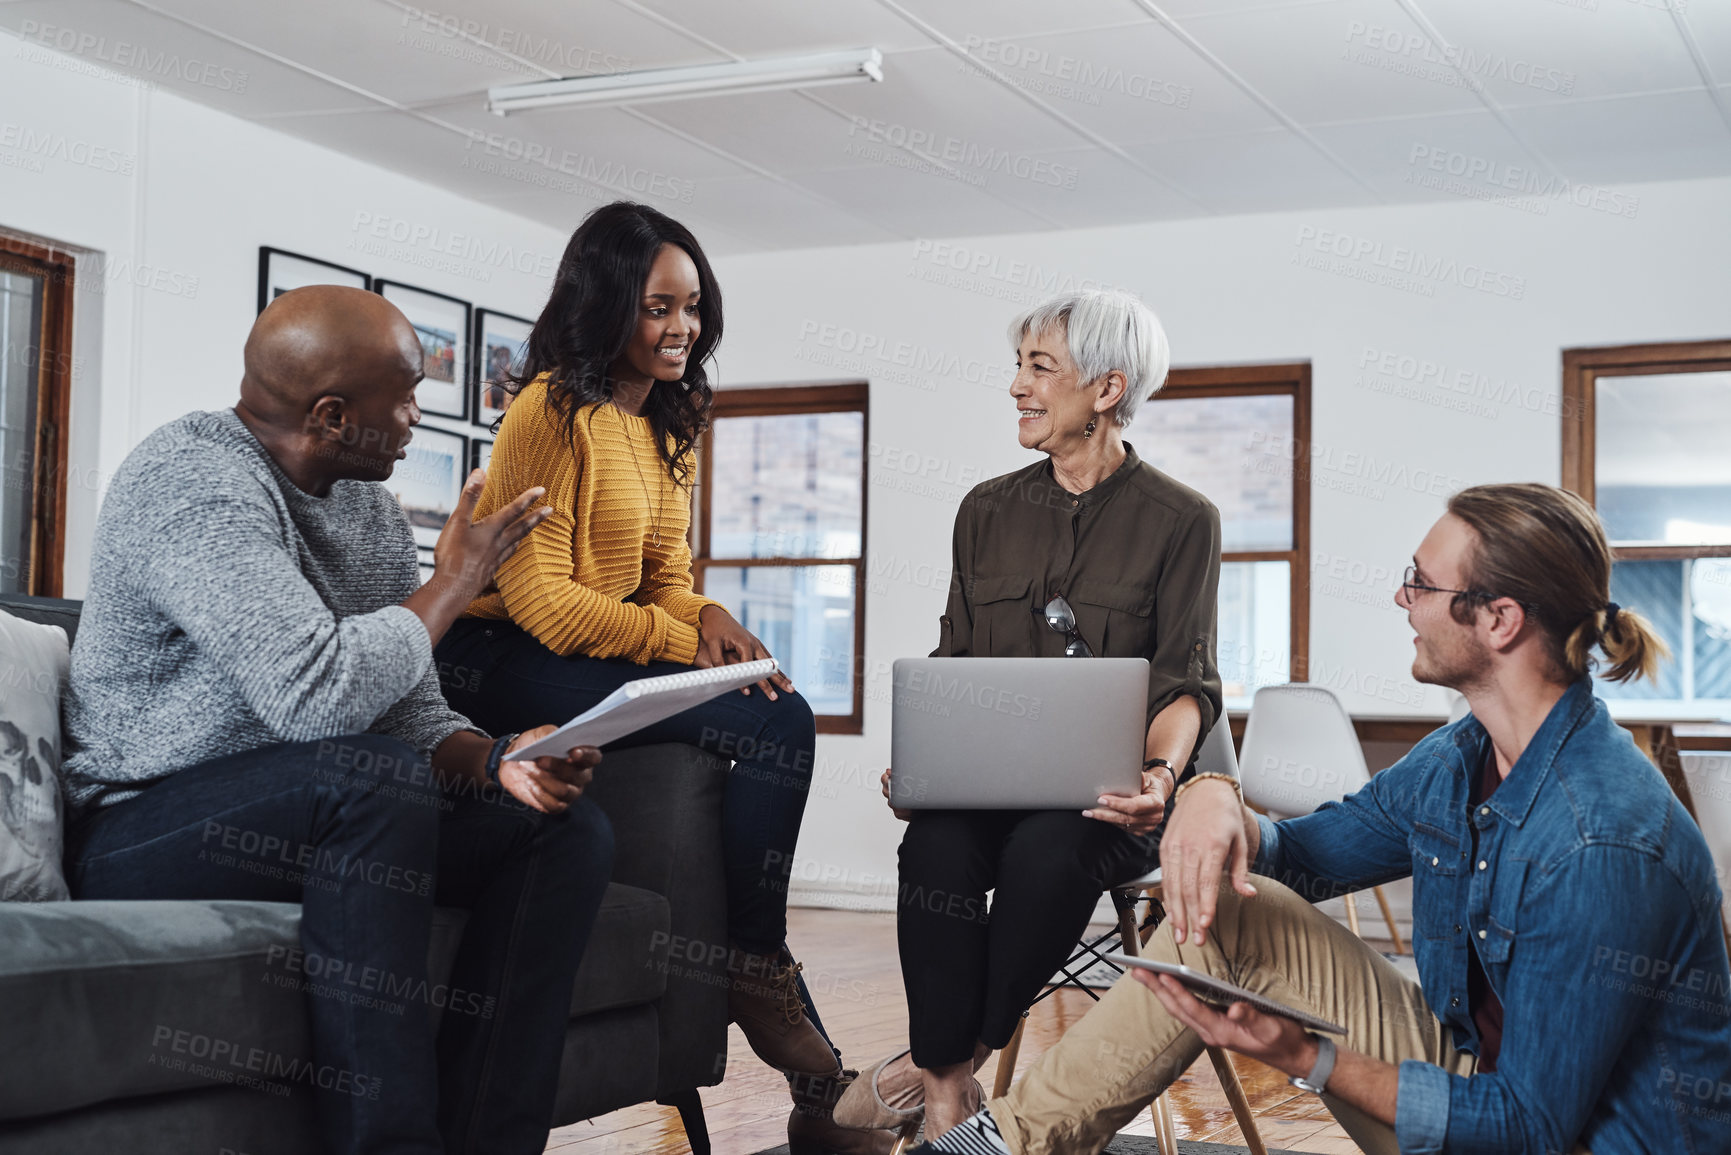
(975, 1135)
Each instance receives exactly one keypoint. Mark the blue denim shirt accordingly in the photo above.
(1595, 910)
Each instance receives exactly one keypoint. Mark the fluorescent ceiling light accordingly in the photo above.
(700, 80)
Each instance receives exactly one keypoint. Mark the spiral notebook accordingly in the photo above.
(643, 703)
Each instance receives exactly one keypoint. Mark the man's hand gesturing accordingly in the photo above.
(1205, 839)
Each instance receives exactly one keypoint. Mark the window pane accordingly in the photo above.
(787, 486)
(1656, 589)
(804, 615)
(20, 352)
(1235, 450)
(1710, 605)
(1661, 470)
(1255, 644)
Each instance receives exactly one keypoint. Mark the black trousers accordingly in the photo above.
(971, 970)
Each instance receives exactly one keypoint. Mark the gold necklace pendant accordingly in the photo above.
(661, 499)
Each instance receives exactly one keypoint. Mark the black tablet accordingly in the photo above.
(1220, 993)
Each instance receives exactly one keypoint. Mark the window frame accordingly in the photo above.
(58, 269)
(1582, 368)
(794, 401)
(1259, 380)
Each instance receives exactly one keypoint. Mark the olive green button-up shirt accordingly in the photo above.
(1137, 557)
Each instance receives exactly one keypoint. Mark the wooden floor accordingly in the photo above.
(850, 964)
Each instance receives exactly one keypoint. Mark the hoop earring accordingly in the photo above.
(1092, 422)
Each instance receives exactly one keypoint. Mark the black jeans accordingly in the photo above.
(499, 675)
(970, 971)
(355, 830)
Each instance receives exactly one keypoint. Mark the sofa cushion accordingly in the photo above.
(33, 663)
(62, 612)
(624, 964)
(109, 999)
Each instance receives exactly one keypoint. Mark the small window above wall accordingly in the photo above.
(1240, 434)
(1647, 439)
(780, 533)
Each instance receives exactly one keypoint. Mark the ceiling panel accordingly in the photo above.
(1183, 8)
(565, 212)
(917, 204)
(1255, 172)
(937, 97)
(1465, 155)
(371, 44)
(972, 21)
(1710, 24)
(410, 52)
(1086, 188)
(781, 215)
(112, 36)
(1670, 136)
(1526, 53)
(759, 28)
(1138, 83)
(1336, 60)
(780, 131)
(586, 140)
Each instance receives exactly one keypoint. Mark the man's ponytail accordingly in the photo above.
(1631, 645)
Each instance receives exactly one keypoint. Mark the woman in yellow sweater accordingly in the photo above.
(613, 396)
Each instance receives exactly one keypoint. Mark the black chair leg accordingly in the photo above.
(690, 1106)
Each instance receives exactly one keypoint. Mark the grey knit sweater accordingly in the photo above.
(229, 610)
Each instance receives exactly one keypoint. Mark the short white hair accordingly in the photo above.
(1105, 330)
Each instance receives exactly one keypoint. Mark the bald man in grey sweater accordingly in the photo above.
(253, 714)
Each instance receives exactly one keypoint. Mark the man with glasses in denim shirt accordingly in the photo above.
(1576, 994)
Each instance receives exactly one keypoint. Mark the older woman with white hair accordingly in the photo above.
(1088, 551)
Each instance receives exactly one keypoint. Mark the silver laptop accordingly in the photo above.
(1016, 733)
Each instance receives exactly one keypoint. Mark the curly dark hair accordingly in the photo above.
(591, 315)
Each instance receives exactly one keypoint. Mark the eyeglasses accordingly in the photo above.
(1414, 587)
(1060, 617)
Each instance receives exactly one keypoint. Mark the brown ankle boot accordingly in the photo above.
(812, 1131)
(763, 998)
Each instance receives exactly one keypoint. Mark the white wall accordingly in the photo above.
(928, 331)
(174, 199)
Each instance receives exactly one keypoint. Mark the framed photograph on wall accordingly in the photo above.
(480, 452)
(442, 323)
(280, 270)
(501, 342)
(428, 481)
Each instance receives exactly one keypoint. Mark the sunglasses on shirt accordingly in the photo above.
(1060, 617)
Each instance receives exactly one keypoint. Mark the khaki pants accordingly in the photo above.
(1127, 1050)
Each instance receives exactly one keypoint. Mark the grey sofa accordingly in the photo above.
(168, 1027)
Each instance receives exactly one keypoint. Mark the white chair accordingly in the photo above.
(1709, 778)
(1217, 755)
(1300, 751)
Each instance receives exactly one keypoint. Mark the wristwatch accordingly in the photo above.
(1317, 1081)
(1153, 762)
(496, 755)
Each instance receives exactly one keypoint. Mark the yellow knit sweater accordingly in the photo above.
(591, 579)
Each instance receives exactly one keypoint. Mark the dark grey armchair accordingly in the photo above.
(165, 1027)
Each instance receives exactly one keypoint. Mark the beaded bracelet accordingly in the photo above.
(1237, 789)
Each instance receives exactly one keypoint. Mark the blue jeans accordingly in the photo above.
(501, 677)
(356, 831)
